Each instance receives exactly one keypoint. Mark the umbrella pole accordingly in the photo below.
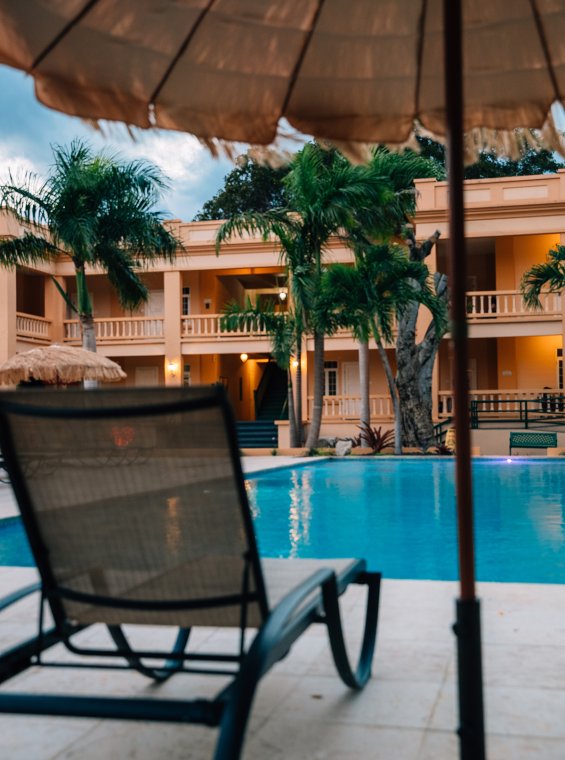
(467, 627)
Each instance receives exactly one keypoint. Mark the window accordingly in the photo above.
(330, 378)
(185, 302)
(186, 374)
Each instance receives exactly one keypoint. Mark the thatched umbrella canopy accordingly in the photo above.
(59, 365)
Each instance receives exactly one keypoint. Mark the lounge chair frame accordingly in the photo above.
(316, 600)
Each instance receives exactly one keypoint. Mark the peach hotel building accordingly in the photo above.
(176, 338)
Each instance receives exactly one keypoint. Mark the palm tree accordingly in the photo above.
(550, 274)
(327, 196)
(282, 329)
(367, 298)
(99, 210)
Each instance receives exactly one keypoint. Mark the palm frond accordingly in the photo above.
(29, 249)
(129, 287)
(549, 276)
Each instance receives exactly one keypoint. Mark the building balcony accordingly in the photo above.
(491, 402)
(33, 329)
(119, 330)
(349, 407)
(509, 305)
(484, 308)
(495, 402)
(206, 327)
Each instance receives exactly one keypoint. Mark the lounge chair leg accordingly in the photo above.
(157, 674)
(357, 679)
(239, 698)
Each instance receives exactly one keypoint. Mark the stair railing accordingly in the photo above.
(261, 390)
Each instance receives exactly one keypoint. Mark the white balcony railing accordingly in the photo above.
(207, 327)
(495, 401)
(119, 330)
(481, 306)
(36, 329)
(509, 304)
(349, 407)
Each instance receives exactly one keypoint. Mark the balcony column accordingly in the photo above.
(172, 285)
(8, 330)
(562, 242)
(55, 308)
(305, 371)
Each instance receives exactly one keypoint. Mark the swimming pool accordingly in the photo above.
(400, 515)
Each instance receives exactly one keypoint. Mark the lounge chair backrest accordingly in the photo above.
(136, 509)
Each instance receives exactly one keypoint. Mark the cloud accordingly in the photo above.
(28, 130)
(15, 163)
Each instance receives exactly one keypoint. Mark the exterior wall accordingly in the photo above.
(130, 363)
(377, 379)
(515, 255)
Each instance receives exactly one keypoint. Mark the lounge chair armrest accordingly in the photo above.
(21, 593)
(288, 605)
(271, 638)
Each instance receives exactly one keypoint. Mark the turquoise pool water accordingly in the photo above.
(400, 515)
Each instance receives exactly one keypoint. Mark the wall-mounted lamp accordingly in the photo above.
(243, 357)
(173, 367)
(294, 363)
(283, 295)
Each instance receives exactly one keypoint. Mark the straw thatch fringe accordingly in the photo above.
(59, 365)
(508, 143)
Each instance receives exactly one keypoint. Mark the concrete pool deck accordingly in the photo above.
(302, 711)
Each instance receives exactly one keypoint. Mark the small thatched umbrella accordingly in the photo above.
(59, 365)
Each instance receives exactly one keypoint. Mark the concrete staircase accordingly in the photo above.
(260, 434)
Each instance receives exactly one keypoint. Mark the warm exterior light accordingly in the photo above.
(243, 357)
(173, 368)
(282, 295)
(294, 363)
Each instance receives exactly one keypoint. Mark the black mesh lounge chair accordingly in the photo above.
(135, 508)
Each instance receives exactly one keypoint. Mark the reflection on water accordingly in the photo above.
(300, 511)
(251, 488)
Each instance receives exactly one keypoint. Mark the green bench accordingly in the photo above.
(532, 440)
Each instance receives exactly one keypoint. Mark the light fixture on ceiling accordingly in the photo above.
(243, 357)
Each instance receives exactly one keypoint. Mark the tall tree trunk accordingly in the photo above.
(88, 332)
(365, 410)
(415, 362)
(392, 391)
(298, 386)
(84, 308)
(316, 421)
(292, 427)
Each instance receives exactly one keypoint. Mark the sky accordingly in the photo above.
(29, 129)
